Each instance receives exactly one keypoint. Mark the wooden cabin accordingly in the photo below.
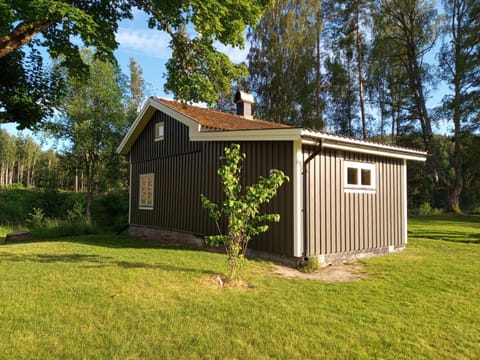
(345, 198)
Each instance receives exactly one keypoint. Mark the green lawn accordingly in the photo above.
(109, 297)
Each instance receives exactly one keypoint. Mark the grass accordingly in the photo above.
(109, 297)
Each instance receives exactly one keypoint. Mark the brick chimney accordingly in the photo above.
(244, 103)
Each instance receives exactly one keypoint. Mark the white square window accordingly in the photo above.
(146, 191)
(359, 177)
(159, 131)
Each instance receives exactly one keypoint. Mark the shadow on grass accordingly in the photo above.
(95, 261)
(453, 228)
(452, 236)
(108, 240)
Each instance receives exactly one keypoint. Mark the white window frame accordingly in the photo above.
(147, 203)
(358, 186)
(159, 131)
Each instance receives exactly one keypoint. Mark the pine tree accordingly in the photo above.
(283, 64)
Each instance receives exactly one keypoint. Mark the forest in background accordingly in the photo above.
(359, 68)
(367, 69)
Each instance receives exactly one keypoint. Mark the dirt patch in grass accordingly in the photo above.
(221, 282)
(342, 272)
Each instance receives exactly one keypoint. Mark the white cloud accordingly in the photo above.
(155, 43)
(147, 41)
(236, 55)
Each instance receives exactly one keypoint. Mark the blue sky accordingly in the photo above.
(150, 49)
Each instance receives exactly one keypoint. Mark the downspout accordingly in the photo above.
(305, 215)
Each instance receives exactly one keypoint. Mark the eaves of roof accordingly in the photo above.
(210, 125)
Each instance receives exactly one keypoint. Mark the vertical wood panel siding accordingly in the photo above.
(340, 222)
(184, 170)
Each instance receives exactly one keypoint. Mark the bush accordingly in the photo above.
(36, 219)
(241, 208)
(308, 265)
(110, 210)
(17, 206)
(76, 213)
(54, 228)
(43, 227)
(426, 209)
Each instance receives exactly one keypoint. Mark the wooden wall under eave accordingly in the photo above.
(183, 170)
(339, 222)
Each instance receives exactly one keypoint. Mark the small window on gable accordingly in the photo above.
(146, 191)
(159, 131)
(359, 177)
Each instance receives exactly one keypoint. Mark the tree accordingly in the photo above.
(411, 29)
(49, 173)
(283, 63)
(343, 80)
(349, 23)
(241, 209)
(29, 92)
(387, 88)
(137, 89)
(93, 119)
(197, 71)
(8, 154)
(460, 67)
(342, 102)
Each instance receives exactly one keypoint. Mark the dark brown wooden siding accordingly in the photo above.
(175, 141)
(184, 170)
(340, 222)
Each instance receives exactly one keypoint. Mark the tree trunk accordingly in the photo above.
(76, 180)
(415, 83)
(90, 186)
(360, 69)
(456, 188)
(89, 199)
(318, 65)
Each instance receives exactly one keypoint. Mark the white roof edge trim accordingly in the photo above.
(130, 131)
(286, 134)
(139, 124)
(394, 153)
(344, 140)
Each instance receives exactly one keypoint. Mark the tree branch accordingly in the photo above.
(22, 34)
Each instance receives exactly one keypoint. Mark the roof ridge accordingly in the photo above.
(212, 118)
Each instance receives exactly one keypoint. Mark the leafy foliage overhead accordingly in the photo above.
(197, 72)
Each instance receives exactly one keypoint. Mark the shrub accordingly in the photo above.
(54, 228)
(476, 210)
(36, 218)
(309, 265)
(76, 213)
(110, 210)
(17, 206)
(426, 209)
(241, 208)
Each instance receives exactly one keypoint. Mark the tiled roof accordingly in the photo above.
(217, 120)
